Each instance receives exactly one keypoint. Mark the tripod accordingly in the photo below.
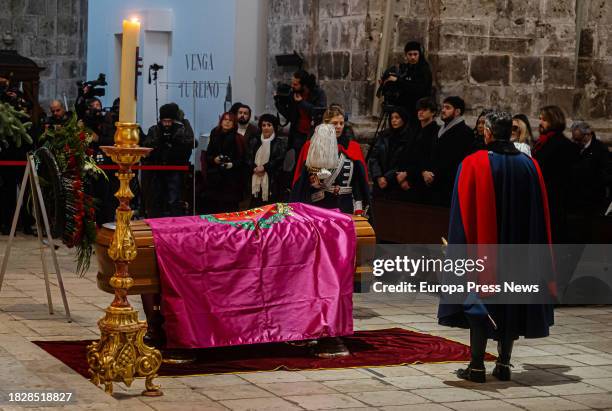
(382, 121)
(155, 68)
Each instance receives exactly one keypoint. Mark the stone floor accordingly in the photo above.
(571, 370)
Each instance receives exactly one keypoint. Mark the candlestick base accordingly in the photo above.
(121, 354)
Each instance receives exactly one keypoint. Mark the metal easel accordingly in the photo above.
(30, 177)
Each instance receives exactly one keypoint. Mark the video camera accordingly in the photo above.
(390, 90)
(283, 89)
(95, 87)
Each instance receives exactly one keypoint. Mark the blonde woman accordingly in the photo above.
(521, 134)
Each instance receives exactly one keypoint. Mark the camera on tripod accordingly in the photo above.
(94, 87)
(390, 91)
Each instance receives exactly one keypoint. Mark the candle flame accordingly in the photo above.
(134, 20)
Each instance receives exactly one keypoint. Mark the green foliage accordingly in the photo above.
(13, 128)
(70, 146)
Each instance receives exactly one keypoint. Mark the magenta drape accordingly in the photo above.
(280, 273)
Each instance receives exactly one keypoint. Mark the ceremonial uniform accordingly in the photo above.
(347, 186)
(499, 198)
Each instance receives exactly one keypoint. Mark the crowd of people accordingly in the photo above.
(316, 158)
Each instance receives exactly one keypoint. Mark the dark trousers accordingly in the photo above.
(162, 193)
(478, 343)
(104, 194)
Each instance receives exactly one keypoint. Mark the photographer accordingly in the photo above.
(97, 121)
(172, 143)
(226, 160)
(404, 84)
(11, 177)
(102, 126)
(87, 91)
(302, 105)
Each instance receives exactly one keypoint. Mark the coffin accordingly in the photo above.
(144, 268)
(419, 223)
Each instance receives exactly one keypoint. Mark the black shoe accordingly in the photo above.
(502, 371)
(472, 374)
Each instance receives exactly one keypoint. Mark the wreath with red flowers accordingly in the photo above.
(69, 145)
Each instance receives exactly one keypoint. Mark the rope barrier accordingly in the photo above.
(150, 167)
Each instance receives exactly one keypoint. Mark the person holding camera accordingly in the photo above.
(103, 135)
(172, 143)
(225, 162)
(303, 105)
(11, 177)
(404, 84)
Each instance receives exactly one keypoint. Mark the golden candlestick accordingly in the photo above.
(121, 354)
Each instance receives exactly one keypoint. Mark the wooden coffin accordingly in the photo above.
(403, 222)
(144, 268)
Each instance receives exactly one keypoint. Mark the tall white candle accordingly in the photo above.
(127, 108)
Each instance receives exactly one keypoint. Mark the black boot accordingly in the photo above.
(472, 374)
(502, 371)
(502, 367)
(478, 344)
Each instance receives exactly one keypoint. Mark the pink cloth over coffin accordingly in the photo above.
(282, 272)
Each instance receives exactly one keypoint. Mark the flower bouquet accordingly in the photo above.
(70, 147)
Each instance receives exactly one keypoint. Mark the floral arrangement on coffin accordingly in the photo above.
(70, 146)
(13, 128)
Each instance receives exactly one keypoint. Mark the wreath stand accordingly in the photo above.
(40, 213)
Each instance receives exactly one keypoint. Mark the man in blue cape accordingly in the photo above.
(499, 198)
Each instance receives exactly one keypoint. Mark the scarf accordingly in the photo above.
(449, 125)
(542, 140)
(262, 157)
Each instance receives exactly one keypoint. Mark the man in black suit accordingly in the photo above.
(556, 156)
(588, 174)
(452, 144)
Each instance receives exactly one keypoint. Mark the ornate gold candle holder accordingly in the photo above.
(121, 354)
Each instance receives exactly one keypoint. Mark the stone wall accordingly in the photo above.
(514, 54)
(53, 33)
(339, 40)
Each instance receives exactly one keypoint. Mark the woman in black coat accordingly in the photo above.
(225, 159)
(556, 156)
(266, 153)
(388, 161)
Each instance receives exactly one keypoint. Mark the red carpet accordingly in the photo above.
(393, 346)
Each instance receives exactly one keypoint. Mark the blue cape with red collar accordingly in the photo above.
(500, 198)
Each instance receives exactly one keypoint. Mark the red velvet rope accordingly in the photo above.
(8, 163)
